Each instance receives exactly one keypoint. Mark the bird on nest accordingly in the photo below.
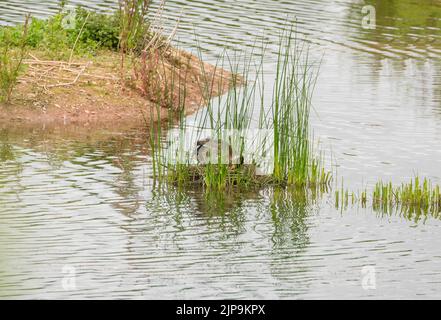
(207, 151)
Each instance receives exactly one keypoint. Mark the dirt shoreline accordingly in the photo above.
(46, 95)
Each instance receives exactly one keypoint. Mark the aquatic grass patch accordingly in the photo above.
(224, 118)
(283, 123)
(418, 197)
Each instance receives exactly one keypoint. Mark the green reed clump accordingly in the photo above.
(343, 197)
(294, 160)
(290, 114)
(412, 199)
(286, 118)
(415, 195)
(13, 49)
(232, 113)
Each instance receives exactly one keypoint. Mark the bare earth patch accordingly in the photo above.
(89, 92)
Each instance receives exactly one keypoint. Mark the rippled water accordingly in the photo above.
(79, 203)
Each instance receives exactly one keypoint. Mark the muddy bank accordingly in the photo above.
(89, 92)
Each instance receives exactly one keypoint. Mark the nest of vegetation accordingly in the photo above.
(238, 175)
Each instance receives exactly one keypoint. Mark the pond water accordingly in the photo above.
(79, 217)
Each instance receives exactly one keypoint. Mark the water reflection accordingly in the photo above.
(58, 152)
(289, 210)
(413, 213)
(408, 18)
(405, 45)
(10, 165)
(225, 212)
(228, 212)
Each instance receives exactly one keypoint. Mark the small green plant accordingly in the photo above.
(133, 26)
(13, 49)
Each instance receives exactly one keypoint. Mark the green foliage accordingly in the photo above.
(88, 33)
(36, 32)
(100, 30)
(13, 49)
(49, 36)
(57, 40)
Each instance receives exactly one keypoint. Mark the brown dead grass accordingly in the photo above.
(90, 92)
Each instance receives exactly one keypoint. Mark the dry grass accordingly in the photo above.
(90, 90)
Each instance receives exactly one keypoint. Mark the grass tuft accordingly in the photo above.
(412, 199)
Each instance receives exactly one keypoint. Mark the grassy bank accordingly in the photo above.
(82, 66)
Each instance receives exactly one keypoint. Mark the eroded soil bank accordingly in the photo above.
(89, 92)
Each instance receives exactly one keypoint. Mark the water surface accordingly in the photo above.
(75, 202)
